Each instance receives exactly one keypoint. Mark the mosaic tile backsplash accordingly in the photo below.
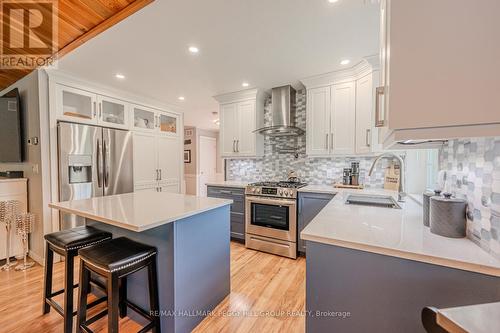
(473, 172)
(279, 158)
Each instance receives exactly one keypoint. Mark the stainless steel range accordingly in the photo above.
(271, 219)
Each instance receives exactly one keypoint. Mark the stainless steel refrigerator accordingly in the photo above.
(93, 162)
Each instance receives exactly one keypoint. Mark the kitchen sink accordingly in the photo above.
(385, 201)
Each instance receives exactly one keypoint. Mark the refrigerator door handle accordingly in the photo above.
(99, 164)
(106, 164)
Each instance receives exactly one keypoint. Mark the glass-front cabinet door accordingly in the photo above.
(168, 123)
(144, 119)
(76, 105)
(113, 112)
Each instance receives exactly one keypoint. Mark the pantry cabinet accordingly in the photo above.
(154, 164)
(439, 76)
(339, 111)
(241, 114)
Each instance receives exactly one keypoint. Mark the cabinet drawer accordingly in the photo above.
(225, 192)
(13, 187)
(237, 229)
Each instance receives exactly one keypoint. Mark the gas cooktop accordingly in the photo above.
(282, 184)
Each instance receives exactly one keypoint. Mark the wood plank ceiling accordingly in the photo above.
(79, 21)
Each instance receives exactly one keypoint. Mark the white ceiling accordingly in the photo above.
(264, 42)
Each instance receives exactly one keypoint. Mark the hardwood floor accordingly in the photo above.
(267, 295)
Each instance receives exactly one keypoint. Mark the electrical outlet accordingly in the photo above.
(35, 169)
(329, 174)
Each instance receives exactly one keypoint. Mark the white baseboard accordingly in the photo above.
(39, 259)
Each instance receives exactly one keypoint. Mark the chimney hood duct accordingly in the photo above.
(283, 114)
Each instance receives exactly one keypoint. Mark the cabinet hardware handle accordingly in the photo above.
(234, 145)
(95, 109)
(99, 158)
(237, 146)
(368, 139)
(331, 140)
(378, 122)
(160, 173)
(326, 141)
(100, 110)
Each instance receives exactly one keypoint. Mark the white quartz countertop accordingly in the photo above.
(228, 183)
(480, 318)
(394, 232)
(141, 210)
(328, 189)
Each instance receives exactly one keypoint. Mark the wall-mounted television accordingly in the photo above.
(11, 128)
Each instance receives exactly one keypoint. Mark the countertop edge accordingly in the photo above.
(138, 229)
(424, 258)
(448, 324)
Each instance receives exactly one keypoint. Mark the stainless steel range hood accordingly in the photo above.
(283, 114)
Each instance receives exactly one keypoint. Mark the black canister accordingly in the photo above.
(448, 216)
(426, 202)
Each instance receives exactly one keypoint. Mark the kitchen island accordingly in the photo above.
(192, 237)
(373, 269)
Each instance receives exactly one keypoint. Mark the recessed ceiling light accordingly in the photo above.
(193, 49)
(119, 76)
(345, 62)
(333, 1)
(181, 98)
(245, 84)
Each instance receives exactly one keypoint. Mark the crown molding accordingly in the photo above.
(364, 67)
(242, 95)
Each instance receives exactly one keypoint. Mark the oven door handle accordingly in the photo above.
(267, 200)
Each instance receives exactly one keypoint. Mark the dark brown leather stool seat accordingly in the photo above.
(77, 238)
(114, 260)
(67, 243)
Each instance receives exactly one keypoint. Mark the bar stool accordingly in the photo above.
(115, 260)
(67, 243)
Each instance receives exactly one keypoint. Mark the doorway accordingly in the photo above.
(207, 153)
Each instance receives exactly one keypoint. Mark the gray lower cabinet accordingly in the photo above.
(237, 208)
(310, 204)
(353, 291)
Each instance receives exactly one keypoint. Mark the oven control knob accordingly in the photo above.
(254, 189)
(258, 190)
(280, 192)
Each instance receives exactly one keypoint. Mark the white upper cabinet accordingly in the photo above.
(343, 98)
(318, 121)
(245, 145)
(241, 113)
(440, 64)
(339, 111)
(364, 111)
(113, 112)
(77, 105)
(154, 121)
(228, 117)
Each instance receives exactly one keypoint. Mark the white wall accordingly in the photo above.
(191, 170)
(35, 166)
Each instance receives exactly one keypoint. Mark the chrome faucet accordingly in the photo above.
(402, 173)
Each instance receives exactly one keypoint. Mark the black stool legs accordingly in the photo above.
(153, 296)
(123, 258)
(47, 282)
(67, 310)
